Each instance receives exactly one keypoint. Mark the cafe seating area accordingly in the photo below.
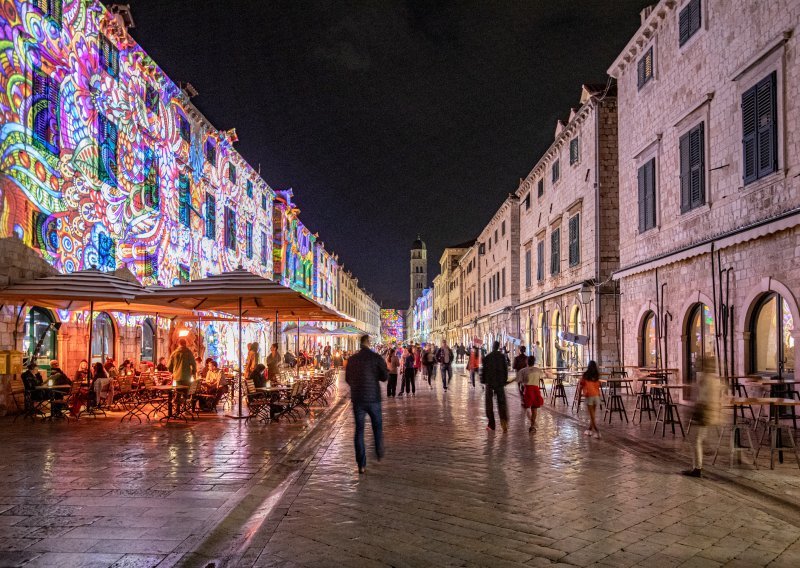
(758, 420)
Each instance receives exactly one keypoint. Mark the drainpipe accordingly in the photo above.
(597, 279)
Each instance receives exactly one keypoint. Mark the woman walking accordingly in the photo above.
(392, 363)
(474, 364)
(590, 388)
(409, 372)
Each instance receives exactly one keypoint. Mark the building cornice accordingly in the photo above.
(642, 37)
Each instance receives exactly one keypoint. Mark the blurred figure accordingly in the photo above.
(495, 377)
(706, 412)
(590, 388)
(474, 364)
(392, 364)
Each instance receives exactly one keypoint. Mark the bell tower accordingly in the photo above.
(419, 270)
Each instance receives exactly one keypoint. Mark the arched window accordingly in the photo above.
(701, 354)
(648, 349)
(39, 327)
(148, 340)
(772, 342)
(557, 352)
(576, 327)
(102, 337)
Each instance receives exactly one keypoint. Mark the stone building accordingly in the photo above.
(498, 274)
(569, 242)
(709, 153)
(470, 299)
(359, 305)
(448, 293)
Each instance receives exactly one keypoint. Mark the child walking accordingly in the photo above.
(590, 388)
(532, 398)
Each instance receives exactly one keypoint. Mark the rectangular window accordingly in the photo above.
(528, 268)
(184, 273)
(52, 9)
(151, 182)
(495, 236)
(556, 171)
(540, 261)
(150, 265)
(484, 293)
(45, 106)
(264, 201)
(184, 200)
(211, 152)
(574, 151)
(527, 201)
(211, 217)
(151, 99)
(264, 248)
(107, 156)
(109, 56)
(644, 68)
(230, 229)
(689, 21)
(249, 189)
(249, 239)
(504, 283)
(575, 240)
(232, 173)
(185, 128)
(647, 195)
(693, 173)
(760, 129)
(503, 228)
(540, 188)
(555, 252)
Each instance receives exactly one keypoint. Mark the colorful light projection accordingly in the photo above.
(106, 163)
(392, 327)
(293, 246)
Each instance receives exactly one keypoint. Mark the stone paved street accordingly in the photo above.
(448, 493)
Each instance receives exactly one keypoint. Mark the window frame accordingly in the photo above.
(108, 144)
(184, 201)
(48, 140)
(692, 164)
(555, 170)
(642, 172)
(574, 151)
(690, 21)
(555, 251)
(540, 272)
(108, 55)
(211, 217)
(758, 135)
(642, 78)
(574, 240)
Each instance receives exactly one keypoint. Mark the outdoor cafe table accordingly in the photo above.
(615, 403)
(171, 391)
(670, 409)
(775, 429)
(51, 391)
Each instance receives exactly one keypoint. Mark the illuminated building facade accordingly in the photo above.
(106, 163)
(392, 327)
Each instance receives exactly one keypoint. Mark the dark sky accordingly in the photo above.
(415, 116)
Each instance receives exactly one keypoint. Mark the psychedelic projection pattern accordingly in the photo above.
(392, 327)
(104, 161)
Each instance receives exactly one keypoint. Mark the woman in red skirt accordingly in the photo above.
(532, 395)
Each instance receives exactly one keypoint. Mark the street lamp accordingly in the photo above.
(585, 294)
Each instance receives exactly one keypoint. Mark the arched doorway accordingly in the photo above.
(40, 327)
(701, 354)
(558, 354)
(148, 340)
(648, 343)
(772, 344)
(576, 351)
(102, 337)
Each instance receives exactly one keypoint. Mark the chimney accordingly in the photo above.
(646, 13)
(122, 13)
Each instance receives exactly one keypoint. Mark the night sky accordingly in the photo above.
(418, 116)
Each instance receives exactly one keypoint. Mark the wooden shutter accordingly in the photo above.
(640, 76)
(697, 175)
(765, 117)
(540, 261)
(574, 240)
(689, 21)
(650, 193)
(749, 131)
(555, 252)
(642, 200)
(685, 177)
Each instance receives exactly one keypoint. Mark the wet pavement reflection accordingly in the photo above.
(448, 493)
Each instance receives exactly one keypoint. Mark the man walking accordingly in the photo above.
(364, 372)
(183, 367)
(538, 354)
(445, 358)
(495, 376)
(520, 362)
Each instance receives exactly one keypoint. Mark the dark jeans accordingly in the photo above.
(447, 374)
(391, 386)
(502, 408)
(360, 410)
(409, 382)
(431, 372)
(472, 374)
